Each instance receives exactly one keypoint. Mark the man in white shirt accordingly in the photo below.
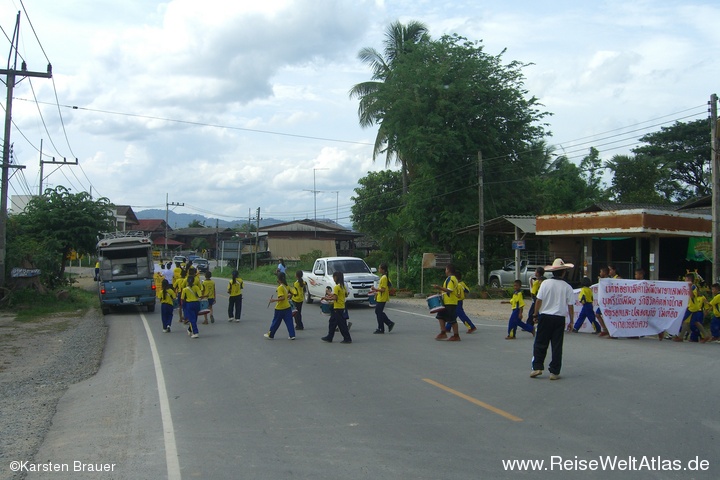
(555, 299)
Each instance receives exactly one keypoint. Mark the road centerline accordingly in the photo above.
(477, 402)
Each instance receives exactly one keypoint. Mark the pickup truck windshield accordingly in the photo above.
(347, 266)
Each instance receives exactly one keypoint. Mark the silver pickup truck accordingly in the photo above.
(506, 276)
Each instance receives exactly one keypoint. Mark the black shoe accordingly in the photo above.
(378, 331)
(391, 326)
(299, 327)
(326, 339)
(346, 341)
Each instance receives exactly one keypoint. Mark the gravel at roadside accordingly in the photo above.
(39, 360)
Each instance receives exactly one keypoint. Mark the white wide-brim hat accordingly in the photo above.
(558, 264)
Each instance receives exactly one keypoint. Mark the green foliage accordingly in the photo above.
(640, 179)
(307, 260)
(53, 225)
(196, 224)
(30, 305)
(683, 152)
(199, 244)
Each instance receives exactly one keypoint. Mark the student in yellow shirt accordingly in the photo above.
(179, 283)
(158, 278)
(382, 297)
(715, 305)
(517, 303)
(450, 297)
(694, 313)
(191, 299)
(208, 289)
(234, 289)
(337, 318)
(586, 313)
(298, 296)
(283, 312)
(167, 296)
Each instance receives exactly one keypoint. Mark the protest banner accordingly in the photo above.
(635, 308)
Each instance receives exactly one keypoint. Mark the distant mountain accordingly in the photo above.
(182, 220)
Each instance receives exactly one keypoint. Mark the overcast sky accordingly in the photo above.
(228, 106)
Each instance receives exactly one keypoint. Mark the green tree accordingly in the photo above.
(684, 150)
(640, 179)
(378, 195)
(372, 106)
(449, 100)
(196, 224)
(56, 223)
(399, 39)
(199, 244)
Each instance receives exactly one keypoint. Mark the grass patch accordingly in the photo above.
(29, 305)
(263, 274)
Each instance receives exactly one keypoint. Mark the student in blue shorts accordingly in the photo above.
(586, 313)
(517, 303)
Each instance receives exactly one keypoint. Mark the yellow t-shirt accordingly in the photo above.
(462, 290)
(298, 291)
(696, 301)
(169, 296)
(191, 294)
(208, 287)
(517, 300)
(451, 284)
(180, 283)
(715, 304)
(384, 296)
(339, 303)
(158, 277)
(586, 295)
(282, 295)
(535, 287)
(235, 288)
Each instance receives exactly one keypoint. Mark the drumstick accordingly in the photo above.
(270, 301)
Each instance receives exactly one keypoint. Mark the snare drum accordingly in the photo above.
(435, 303)
(371, 300)
(204, 306)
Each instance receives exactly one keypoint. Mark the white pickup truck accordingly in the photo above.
(358, 278)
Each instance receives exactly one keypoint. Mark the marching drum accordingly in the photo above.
(371, 300)
(204, 306)
(435, 303)
(326, 308)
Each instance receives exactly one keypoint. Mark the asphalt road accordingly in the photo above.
(234, 405)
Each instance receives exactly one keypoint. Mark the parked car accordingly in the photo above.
(201, 264)
(178, 259)
(506, 276)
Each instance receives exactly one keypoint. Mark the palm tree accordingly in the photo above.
(399, 39)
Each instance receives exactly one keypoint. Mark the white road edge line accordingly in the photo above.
(431, 316)
(171, 455)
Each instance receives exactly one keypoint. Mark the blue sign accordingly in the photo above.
(518, 245)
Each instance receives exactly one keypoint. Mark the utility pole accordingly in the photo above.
(10, 80)
(715, 163)
(167, 213)
(481, 224)
(257, 238)
(52, 162)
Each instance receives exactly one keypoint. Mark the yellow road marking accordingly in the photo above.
(477, 402)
